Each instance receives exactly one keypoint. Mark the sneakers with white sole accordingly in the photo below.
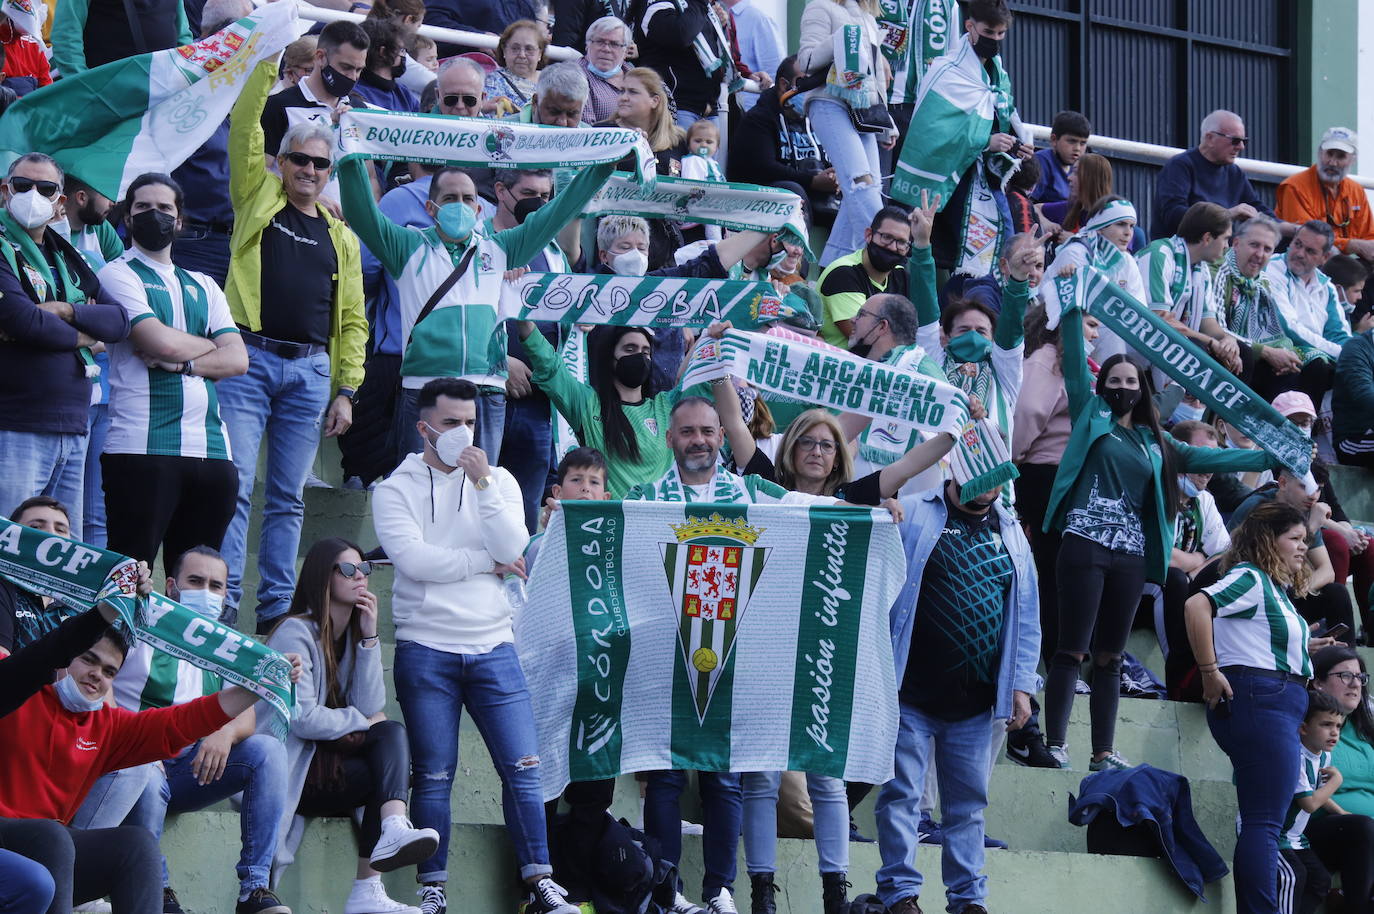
(548, 897)
(402, 844)
(1061, 755)
(369, 897)
(723, 903)
(1109, 762)
(432, 899)
(682, 906)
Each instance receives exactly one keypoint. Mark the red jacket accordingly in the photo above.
(51, 757)
(24, 55)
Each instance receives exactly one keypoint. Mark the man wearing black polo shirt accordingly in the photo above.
(878, 266)
(295, 290)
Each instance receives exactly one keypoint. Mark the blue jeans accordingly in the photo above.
(209, 255)
(831, 809)
(287, 399)
(25, 886)
(491, 423)
(854, 155)
(527, 451)
(960, 750)
(43, 463)
(256, 766)
(685, 119)
(114, 796)
(722, 815)
(432, 688)
(93, 502)
(1261, 738)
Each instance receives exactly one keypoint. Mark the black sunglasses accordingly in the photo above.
(468, 101)
(24, 185)
(300, 160)
(1235, 140)
(349, 569)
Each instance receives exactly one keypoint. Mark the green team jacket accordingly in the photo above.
(258, 195)
(1092, 419)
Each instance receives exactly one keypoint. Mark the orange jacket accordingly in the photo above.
(1303, 196)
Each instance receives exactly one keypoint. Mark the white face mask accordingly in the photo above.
(633, 262)
(203, 602)
(451, 443)
(73, 699)
(30, 209)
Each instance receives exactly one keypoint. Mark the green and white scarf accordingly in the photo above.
(1091, 291)
(915, 34)
(883, 442)
(1246, 306)
(645, 301)
(573, 352)
(30, 266)
(725, 487)
(439, 139)
(729, 205)
(980, 461)
(82, 576)
(851, 78)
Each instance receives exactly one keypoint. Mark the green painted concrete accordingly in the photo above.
(1325, 66)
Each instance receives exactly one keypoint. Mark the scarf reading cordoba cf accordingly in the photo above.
(82, 576)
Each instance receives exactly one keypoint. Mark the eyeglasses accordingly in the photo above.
(522, 49)
(807, 443)
(1235, 140)
(467, 101)
(607, 43)
(24, 185)
(1351, 678)
(868, 314)
(892, 241)
(349, 569)
(300, 160)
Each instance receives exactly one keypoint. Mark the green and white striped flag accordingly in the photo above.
(646, 301)
(145, 113)
(712, 637)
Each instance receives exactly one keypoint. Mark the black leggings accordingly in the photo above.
(378, 773)
(1095, 616)
(1345, 845)
(1033, 489)
(169, 502)
(123, 863)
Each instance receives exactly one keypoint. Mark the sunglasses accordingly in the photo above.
(1235, 140)
(300, 160)
(24, 185)
(467, 101)
(349, 569)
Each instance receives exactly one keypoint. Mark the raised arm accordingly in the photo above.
(1078, 381)
(917, 460)
(390, 243)
(737, 432)
(247, 145)
(523, 242)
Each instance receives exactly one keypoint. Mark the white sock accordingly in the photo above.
(376, 878)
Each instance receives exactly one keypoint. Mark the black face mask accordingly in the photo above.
(399, 69)
(882, 259)
(987, 48)
(633, 370)
(1121, 400)
(153, 230)
(335, 83)
(524, 207)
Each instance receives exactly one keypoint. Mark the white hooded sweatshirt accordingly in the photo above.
(446, 537)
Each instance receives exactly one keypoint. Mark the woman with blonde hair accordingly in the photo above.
(1251, 647)
(520, 53)
(645, 105)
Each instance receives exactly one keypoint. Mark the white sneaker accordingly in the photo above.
(723, 903)
(99, 906)
(682, 906)
(402, 844)
(692, 828)
(369, 897)
(1061, 755)
(548, 897)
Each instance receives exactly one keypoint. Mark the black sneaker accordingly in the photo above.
(548, 897)
(261, 901)
(1031, 752)
(170, 905)
(432, 898)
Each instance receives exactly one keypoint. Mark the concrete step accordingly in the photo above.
(202, 849)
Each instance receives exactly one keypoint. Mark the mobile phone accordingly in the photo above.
(1337, 631)
(1223, 708)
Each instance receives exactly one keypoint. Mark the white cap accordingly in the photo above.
(1340, 138)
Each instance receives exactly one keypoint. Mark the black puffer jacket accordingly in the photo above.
(664, 36)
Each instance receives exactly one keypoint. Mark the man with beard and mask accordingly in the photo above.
(453, 524)
(1325, 191)
(169, 479)
(90, 231)
(879, 266)
(52, 311)
(448, 279)
(694, 435)
(233, 758)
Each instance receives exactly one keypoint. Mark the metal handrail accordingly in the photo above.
(1151, 152)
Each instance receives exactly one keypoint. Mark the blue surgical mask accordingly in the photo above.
(1185, 413)
(604, 74)
(798, 103)
(1187, 487)
(456, 220)
(207, 604)
(73, 699)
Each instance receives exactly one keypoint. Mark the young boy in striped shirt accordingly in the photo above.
(1303, 880)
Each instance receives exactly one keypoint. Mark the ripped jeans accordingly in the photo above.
(854, 155)
(432, 688)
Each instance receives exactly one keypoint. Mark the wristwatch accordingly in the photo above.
(483, 483)
(348, 392)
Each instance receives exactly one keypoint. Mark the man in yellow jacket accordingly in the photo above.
(296, 292)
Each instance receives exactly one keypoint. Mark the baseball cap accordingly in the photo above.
(1340, 138)
(1294, 401)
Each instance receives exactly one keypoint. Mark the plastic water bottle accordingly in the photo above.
(515, 591)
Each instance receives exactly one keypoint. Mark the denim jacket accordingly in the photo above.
(1020, 647)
